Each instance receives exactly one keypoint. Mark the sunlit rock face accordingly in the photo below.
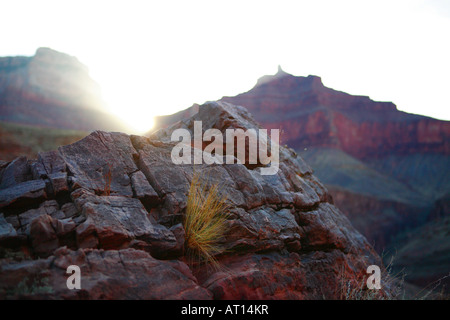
(113, 204)
(52, 89)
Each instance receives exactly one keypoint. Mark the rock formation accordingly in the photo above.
(113, 205)
(384, 168)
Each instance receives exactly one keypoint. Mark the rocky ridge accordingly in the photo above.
(113, 204)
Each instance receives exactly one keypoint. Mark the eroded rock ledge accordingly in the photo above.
(113, 204)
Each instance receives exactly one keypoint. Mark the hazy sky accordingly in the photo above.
(158, 57)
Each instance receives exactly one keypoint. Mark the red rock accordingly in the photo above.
(47, 234)
(15, 172)
(123, 274)
(143, 190)
(101, 162)
(23, 195)
(6, 229)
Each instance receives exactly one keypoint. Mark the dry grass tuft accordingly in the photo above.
(204, 222)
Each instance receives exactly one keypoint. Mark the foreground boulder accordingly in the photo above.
(112, 274)
(117, 214)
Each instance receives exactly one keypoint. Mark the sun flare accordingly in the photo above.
(140, 124)
(129, 107)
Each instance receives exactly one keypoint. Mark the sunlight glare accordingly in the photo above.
(137, 114)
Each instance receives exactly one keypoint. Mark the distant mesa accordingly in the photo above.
(52, 89)
(313, 115)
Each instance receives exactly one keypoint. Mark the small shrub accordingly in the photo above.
(204, 222)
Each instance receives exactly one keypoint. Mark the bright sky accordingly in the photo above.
(158, 57)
